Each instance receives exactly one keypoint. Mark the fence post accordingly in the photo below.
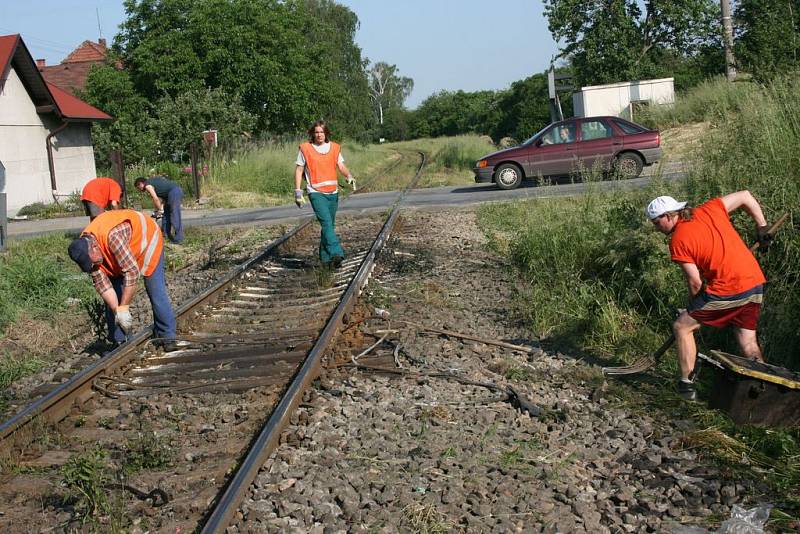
(118, 170)
(3, 222)
(195, 173)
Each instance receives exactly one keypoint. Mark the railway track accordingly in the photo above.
(252, 344)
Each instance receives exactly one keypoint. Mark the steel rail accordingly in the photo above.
(55, 405)
(267, 440)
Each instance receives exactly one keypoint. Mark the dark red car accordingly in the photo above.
(574, 146)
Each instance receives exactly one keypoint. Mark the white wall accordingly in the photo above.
(23, 152)
(616, 98)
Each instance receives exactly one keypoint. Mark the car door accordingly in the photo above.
(555, 152)
(597, 145)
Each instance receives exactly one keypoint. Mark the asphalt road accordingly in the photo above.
(439, 197)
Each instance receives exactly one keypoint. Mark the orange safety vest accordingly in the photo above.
(146, 240)
(321, 167)
(101, 191)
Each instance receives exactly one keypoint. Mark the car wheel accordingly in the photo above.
(508, 176)
(629, 165)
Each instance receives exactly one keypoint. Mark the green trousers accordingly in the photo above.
(325, 209)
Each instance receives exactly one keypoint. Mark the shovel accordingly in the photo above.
(646, 362)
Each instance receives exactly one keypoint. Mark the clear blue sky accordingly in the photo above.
(440, 44)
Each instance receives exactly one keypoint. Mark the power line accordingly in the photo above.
(41, 41)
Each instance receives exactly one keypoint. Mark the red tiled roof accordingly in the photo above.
(75, 108)
(66, 106)
(69, 76)
(87, 51)
(8, 45)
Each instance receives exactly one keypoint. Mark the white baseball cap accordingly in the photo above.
(661, 205)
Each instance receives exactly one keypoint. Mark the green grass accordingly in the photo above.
(450, 159)
(37, 278)
(12, 368)
(713, 100)
(264, 175)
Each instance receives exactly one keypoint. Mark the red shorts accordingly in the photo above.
(745, 316)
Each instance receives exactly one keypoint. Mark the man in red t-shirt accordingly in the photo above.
(99, 195)
(723, 277)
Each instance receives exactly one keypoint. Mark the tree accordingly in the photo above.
(179, 120)
(524, 108)
(112, 90)
(768, 39)
(291, 61)
(387, 89)
(613, 40)
(456, 112)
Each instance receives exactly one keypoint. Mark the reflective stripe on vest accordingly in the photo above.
(146, 242)
(148, 248)
(322, 167)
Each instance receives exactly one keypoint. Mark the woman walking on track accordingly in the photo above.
(317, 161)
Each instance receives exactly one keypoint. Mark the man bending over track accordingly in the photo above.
(116, 248)
(724, 279)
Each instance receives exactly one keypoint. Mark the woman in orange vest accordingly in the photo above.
(317, 161)
(116, 248)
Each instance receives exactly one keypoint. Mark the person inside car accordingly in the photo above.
(565, 134)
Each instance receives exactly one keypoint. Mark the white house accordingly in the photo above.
(45, 133)
(622, 99)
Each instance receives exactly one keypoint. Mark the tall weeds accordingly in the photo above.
(598, 275)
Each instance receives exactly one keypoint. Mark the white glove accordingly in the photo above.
(157, 214)
(351, 181)
(124, 318)
(298, 198)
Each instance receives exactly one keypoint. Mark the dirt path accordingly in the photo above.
(372, 452)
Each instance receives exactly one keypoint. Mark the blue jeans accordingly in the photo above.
(164, 324)
(172, 216)
(325, 209)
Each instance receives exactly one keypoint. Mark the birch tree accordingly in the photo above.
(387, 88)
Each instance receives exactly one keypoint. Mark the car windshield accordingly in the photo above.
(532, 138)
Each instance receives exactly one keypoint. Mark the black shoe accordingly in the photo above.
(171, 345)
(336, 262)
(686, 390)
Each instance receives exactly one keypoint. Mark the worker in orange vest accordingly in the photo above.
(99, 195)
(116, 248)
(317, 161)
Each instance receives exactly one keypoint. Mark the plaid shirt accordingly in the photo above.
(119, 239)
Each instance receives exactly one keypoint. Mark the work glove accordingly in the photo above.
(351, 181)
(764, 237)
(124, 318)
(157, 214)
(298, 198)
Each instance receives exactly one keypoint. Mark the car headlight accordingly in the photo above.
(483, 163)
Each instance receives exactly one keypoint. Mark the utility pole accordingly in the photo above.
(727, 37)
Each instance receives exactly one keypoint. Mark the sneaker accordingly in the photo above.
(336, 262)
(686, 390)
